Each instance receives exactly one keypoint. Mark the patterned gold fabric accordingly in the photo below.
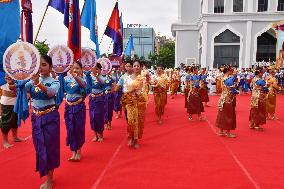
(226, 95)
(136, 107)
(135, 104)
(271, 96)
(257, 95)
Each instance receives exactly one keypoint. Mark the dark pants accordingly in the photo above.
(8, 119)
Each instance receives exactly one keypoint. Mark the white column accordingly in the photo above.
(179, 10)
(250, 5)
(176, 50)
(205, 6)
(248, 46)
(204, 45)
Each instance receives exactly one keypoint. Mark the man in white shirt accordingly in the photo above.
(9, 118)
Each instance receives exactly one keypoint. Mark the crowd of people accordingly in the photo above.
(126, 92)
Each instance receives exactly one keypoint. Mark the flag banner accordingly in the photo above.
(58, 5)
(113, 30)
(9, 27)
(89, 20)
(280, 38)
(129, 50)
(26, 21)
(72, 22)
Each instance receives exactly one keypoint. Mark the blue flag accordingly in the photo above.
(129, 50)
(58, 5)
(89, 20)
(9, 29)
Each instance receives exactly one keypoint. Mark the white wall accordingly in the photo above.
(186, 46)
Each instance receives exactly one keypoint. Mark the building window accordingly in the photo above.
(262, 5)
(226, 49)
(280, 5)
(218, 6)
(238, 6)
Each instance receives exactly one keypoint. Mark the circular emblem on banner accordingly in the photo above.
(106, 65)
(88, 59)
(21, 60)
(62, 58)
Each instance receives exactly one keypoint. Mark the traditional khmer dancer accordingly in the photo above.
(109, 99)
(226, 117)
(159, 83)
(97, 104)
(45, 120)
(203, 91)
(75, 110)
(258, 102)
(117, 95)
(273, 87)
(9, 118)
(194, 104)
(175, 81)
(187, 85)
(218, 82)
(135, 102)
(121, 83)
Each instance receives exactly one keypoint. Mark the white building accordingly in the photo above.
(216, 32)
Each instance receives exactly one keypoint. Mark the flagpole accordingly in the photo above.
(41, 22)
(109, 46)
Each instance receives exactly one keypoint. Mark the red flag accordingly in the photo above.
(72, 21)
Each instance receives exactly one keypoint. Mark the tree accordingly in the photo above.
(166, 56)
(42, 47)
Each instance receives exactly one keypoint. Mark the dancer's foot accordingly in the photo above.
(130, 142)
(231, 135)
(258, 128)
(49, 184)
(43, 185)
(17, 139)
(160, 122)
(136, 145)
(221, 134)
(78, 157)
(73, 158)
(95, 139)
(7, 145)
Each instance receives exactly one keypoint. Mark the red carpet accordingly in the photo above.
(178, 154)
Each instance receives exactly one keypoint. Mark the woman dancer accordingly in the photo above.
(97, 104)
(159, 83)
(109, 99)
(203, 91)
(75, 110)
(272, 84)
(135, 102)
(45, 121)
(226, 117)
(117, 96)
(258, 102)
(194, 104)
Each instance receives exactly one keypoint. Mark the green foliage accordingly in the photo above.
(166, 56)
(42, 47)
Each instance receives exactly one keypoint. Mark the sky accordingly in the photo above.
(159, 14)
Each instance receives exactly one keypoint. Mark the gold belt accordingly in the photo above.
(96, 95)
(74, 103)
(40, 113)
